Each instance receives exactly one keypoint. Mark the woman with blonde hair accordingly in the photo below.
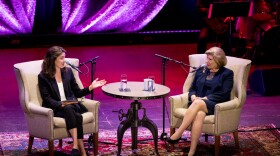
(212, 84)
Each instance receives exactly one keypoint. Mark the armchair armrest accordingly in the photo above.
(91, 105)
(40, 121)
(35, 109)
(227, 114)
(179, 101)
(232, 104)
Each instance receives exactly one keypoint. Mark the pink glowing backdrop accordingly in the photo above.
(79, 16)
(16, 16)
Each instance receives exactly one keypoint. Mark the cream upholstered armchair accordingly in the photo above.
(41, 122)
(227, 114)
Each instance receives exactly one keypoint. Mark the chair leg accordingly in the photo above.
(217, 145)
(30, 143)
(60, 143)
(235, 135)
(51, 148)
(206, 137)
(95, 143)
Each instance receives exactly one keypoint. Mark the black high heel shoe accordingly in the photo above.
(169, 140)
(75, 152)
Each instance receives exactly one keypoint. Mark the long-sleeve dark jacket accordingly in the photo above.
(222, 84)
(50, 93)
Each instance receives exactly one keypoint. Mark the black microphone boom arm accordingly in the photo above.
(89, 61)
(176, 61)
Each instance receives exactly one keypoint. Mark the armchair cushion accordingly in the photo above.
(60, 122)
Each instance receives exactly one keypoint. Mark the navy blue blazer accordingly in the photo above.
(221, 87)
(50, 93)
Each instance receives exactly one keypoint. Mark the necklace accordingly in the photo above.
(210, 76)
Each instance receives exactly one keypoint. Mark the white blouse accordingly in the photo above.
(61, 91)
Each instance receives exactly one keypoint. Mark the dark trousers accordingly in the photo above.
(73, 119)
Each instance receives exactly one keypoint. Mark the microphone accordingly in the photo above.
(201, 66)
(74, 67)
(95, 58)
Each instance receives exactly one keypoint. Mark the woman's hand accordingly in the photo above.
(204, 98)
(96, 84)
(194, 97)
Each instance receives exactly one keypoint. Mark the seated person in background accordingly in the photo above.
(57, 85)
(211, 85)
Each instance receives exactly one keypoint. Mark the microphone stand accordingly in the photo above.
(163, 71)
(163, 135)
(92, 73)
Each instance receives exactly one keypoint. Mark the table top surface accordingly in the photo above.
(135, 91)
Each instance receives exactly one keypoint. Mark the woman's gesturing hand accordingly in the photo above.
(96, 84)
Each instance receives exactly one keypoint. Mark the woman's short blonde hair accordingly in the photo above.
(218, 56)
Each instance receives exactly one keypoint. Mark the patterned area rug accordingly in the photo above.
(254, 141)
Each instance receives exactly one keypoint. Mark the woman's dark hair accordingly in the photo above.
(48, 66)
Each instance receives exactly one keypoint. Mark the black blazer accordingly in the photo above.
(50, 93)
(223, 83)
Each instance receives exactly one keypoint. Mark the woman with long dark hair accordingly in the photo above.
(59, 91)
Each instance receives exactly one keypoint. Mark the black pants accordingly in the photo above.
(73, 119)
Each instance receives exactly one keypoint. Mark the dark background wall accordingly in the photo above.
(47, 18)
(175, 15)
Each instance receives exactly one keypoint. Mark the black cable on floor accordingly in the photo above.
(254, 130)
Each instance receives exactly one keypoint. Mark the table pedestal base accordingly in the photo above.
(133, 122)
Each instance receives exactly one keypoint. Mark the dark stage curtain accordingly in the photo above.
(47, 17)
